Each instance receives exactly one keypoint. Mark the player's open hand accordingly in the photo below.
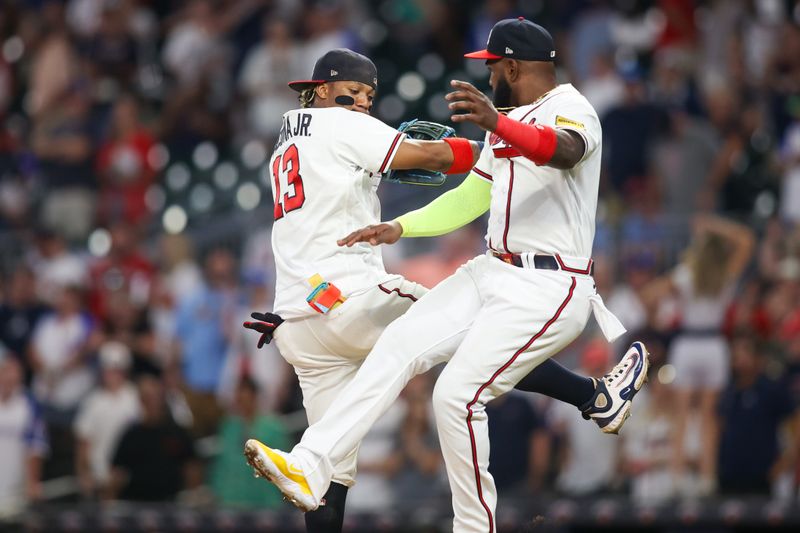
(383, 233)
(471, 105)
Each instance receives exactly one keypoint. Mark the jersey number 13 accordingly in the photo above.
(288, 164)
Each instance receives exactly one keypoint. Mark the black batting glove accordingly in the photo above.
(266, 324)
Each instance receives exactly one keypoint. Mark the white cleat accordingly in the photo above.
(610, 406)
(280, 468)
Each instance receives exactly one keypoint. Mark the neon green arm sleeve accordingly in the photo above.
(455, 208)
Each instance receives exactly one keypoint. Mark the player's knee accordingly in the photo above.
(392, 356)
(446, 398)
(439, 399)
(396, 349)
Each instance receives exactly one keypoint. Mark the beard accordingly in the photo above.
(501, 96)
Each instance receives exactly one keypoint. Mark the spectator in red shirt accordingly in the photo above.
(125, 268)
(122, 165)
(679, 28)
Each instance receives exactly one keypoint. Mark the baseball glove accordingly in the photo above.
(425, 131)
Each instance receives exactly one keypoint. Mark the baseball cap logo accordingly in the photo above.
(509, 50)
(552, 53)
(334, 72)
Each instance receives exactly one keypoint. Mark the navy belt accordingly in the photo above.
(540, 261)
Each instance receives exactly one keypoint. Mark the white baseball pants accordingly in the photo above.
(495, 323)
(327, 350)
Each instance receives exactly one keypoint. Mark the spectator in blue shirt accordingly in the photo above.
(204, 327)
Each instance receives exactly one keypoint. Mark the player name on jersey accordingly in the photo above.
(300, 127)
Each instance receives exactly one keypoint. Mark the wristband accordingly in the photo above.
(535, 141)
(463, 159)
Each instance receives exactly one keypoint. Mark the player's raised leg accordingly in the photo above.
(429, 333)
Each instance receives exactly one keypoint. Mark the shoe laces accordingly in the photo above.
(617, 371)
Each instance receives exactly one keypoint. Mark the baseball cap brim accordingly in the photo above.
(302, 85)
(482, 54)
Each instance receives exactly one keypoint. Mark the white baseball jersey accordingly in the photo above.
(540, 208)
(324, 173)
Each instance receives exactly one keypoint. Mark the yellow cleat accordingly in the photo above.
(279, 468)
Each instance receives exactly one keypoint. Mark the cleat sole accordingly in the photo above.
(616, 424)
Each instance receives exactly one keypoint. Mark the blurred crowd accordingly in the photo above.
(134, 241)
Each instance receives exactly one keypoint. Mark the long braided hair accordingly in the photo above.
(306, 97)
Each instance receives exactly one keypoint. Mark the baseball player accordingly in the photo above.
(332, 302)
(501, 314)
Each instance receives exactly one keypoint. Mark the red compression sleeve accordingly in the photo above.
(463, 159)
(534, 141)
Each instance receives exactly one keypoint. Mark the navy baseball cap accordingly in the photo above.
(517, 38)
(340, 64)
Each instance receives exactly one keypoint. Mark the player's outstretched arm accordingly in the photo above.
(558, 148)
(454, 155)
(448, 212)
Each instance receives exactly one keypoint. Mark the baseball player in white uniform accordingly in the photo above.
(501, 314)
(334, 302)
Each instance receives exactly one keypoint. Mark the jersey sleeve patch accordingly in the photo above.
(563, 121)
